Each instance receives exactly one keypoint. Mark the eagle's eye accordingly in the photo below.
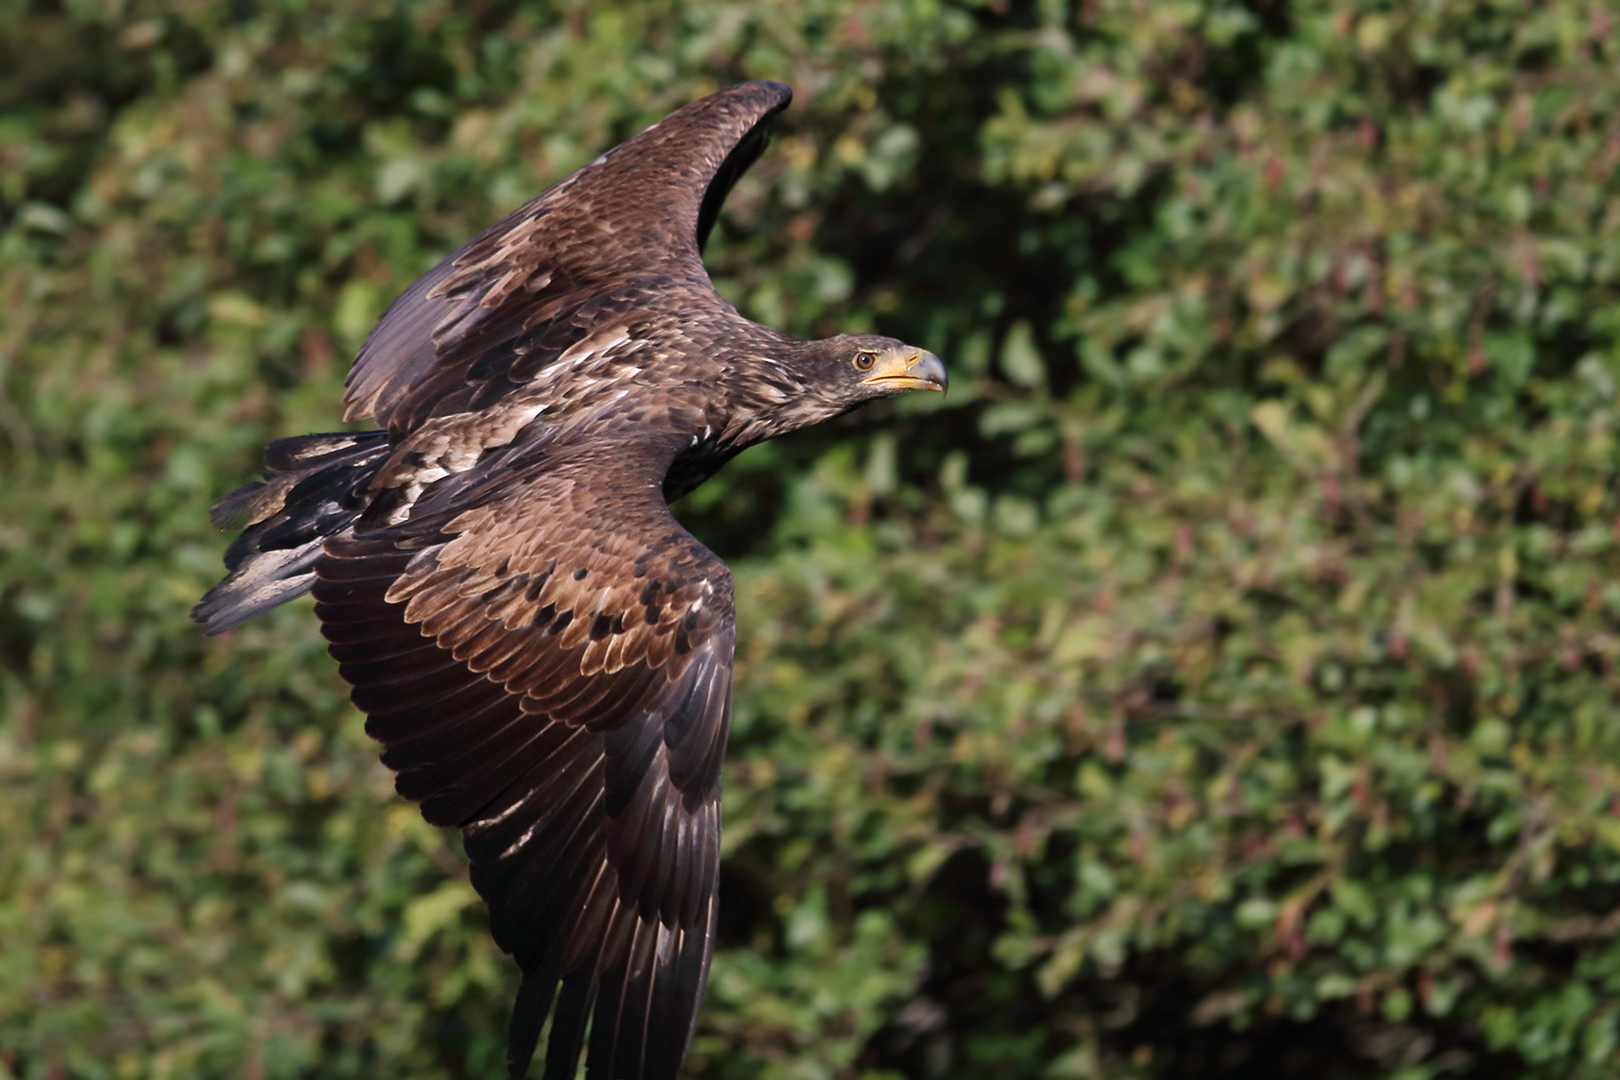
(864, 360)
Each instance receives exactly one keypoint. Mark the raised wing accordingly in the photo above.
(511, 300)
(551, 671)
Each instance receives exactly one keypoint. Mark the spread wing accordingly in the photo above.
(510, 302)
(550, 670)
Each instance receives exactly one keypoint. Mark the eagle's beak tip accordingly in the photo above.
(932, 371)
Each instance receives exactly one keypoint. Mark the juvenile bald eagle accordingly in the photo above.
(544, 653)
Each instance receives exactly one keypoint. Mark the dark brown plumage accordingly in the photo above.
(544, 653)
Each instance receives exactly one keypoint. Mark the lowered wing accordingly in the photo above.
(551, 672)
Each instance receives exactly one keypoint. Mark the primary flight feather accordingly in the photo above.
(543, 651)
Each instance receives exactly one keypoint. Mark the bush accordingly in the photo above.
(1220, 684)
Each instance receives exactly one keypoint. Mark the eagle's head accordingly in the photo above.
(799, 383)
(839, 373)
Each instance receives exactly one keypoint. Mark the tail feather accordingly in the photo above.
(315, 488)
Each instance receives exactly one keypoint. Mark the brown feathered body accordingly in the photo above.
(543, 651)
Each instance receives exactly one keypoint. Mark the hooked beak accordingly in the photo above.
(908, 370)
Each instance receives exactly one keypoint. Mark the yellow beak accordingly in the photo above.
(908, 370)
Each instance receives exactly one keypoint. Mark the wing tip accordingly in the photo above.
(763, 97)
(781, 91)
(529, 1012)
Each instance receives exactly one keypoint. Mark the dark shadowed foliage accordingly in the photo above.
(1220, 684)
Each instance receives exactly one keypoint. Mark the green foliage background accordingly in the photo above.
(1221, 683)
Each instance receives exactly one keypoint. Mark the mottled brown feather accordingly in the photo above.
(569, 771)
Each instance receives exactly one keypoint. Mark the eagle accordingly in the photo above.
(542, 650)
